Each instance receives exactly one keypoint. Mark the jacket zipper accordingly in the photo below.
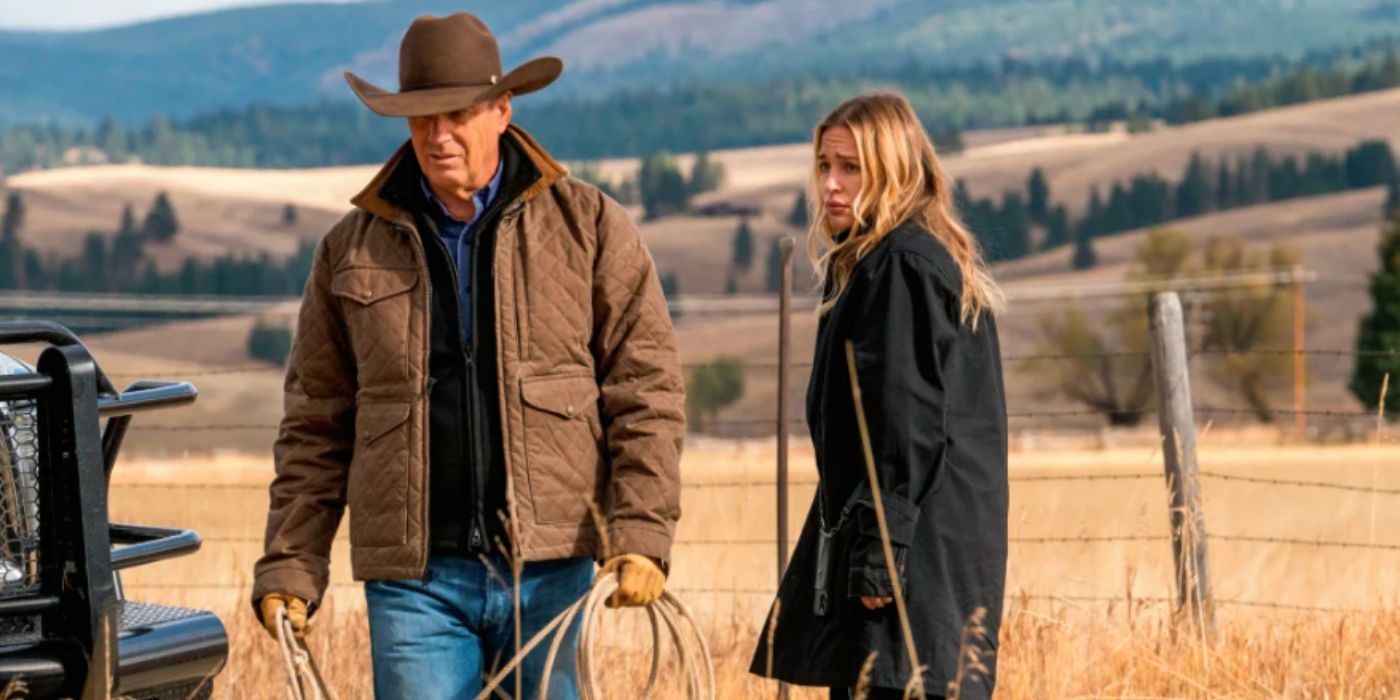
(476, 539)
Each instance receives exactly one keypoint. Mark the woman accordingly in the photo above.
(906, 285)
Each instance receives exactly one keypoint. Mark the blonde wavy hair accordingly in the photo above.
(901, 180)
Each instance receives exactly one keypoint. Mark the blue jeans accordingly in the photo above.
(437, 639)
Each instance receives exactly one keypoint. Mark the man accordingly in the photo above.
(483, 356)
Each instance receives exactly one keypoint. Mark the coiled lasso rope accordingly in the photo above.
(304, 681)
(690, 643)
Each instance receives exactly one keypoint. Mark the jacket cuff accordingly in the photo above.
(290, 579)
(647, 540)
(870, 582)
(901, 516)
(867, 573)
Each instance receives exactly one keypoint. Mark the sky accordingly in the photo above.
(95, 14)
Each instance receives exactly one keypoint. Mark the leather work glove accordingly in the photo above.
(640, 580)
(296, 613)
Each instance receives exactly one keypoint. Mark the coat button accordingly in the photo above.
(369, 294)
(569, 410)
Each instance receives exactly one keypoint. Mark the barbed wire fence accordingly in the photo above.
(1026, 420)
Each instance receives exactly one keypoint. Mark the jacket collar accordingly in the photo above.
(371, 200)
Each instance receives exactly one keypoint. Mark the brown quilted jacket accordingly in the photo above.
(591, 390)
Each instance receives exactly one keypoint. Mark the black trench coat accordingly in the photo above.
(933, 395)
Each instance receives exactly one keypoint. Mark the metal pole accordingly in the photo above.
(1178, 426)
(1300, 360)
(785, 248)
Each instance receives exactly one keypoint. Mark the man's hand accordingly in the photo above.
(296, 613)
(640, 580)
(874, 603)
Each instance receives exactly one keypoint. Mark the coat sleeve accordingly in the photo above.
(643, 390)
(313, 448)
(903, 331)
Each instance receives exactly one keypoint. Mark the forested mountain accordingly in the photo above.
(294, 54)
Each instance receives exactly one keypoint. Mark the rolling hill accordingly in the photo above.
(240, 210)
(1336, 235)
(294, 53)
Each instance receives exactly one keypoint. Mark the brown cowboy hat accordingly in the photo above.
(447, 64)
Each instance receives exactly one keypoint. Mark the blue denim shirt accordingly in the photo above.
(458, 235)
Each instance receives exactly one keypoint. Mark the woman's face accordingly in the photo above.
(838, 174)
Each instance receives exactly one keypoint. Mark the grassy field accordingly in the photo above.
(1305, 574)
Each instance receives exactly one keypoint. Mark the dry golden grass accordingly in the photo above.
(1047, 651)
(1069, 630)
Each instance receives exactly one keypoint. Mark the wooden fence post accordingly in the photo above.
(1300, 358)
(1173, 382)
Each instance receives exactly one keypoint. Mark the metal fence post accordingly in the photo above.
(785, 248)
(1173, 383)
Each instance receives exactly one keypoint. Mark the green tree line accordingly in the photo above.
(742, 113)
(1006, 226)
(119, 262)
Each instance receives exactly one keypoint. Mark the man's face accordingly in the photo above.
(460, 150)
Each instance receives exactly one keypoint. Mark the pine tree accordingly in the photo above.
(742, 258)
(128, 251)
(270, 341)
(7, 267)
(1370, 163)
(12, 222)
(1380, 330)
(12, 258)
(1392, 198)
(1119, 215)
(112, 140)
(773, 278)
(705, 175)
(93, 264)
(711, 387)
(1194, 193)
(1224, 189)
(1084, 257)
(1092, 223)
(128, 224)
(662, 188)
(671, 289)
(1056, 228)
(37, 274)
(151, 279)
(1038, 196)
(962, 198)
(800, 216)
(1015, 227)
(289, 215)
(161, 224)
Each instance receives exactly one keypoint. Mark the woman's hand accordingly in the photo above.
(875, 603)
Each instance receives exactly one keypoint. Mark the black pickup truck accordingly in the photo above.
(66, 627)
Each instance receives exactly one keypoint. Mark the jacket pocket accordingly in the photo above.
(377, 307)
(867, 570)
(378, 489)
(564, 459)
